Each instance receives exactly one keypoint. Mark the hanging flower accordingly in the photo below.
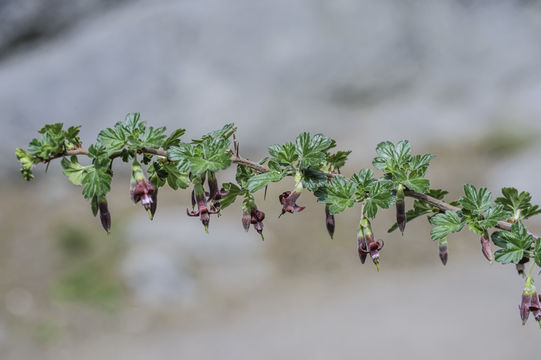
(141, 189)
(288, 199)
(199, 202)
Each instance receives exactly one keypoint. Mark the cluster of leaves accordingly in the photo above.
(400, 169)
(54, 142)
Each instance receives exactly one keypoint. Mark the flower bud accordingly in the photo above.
(329, 221)
(486, 248)
(246, 220)
(105, 215)
(443, 251)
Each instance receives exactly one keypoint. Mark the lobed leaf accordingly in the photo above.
(445, 224)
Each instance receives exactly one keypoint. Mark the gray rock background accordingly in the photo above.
(460, 79)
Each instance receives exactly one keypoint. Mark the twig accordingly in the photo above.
(236, 159)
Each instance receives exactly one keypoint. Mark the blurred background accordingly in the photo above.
(460, 78)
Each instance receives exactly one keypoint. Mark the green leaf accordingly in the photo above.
(259, 181)
(338, 194)
(419, 185)
(283, 154)
(27, 163)
(152, 138)
(518, 204)
(445, 224)
(173, 139)
(113, 139)
(73, 170)
(419, 162)
(223, 134)
(362, 182)
(160, 173)
(338, 160)
(313, 179)
(95, 182)
(514, 243)
(233, 191)
(311, 151)
(133, 124)
(379, 195)
(474, 200)
(182, 153)
(392, 157)
(491, 217)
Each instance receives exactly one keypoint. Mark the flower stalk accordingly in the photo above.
(400, 209)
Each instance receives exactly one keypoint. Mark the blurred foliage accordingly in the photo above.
(46, 332)
(505, 141)
(89, 270)
(74, 242)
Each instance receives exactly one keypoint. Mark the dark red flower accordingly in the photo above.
(141, 189)
(370, 246)
(202, 210)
